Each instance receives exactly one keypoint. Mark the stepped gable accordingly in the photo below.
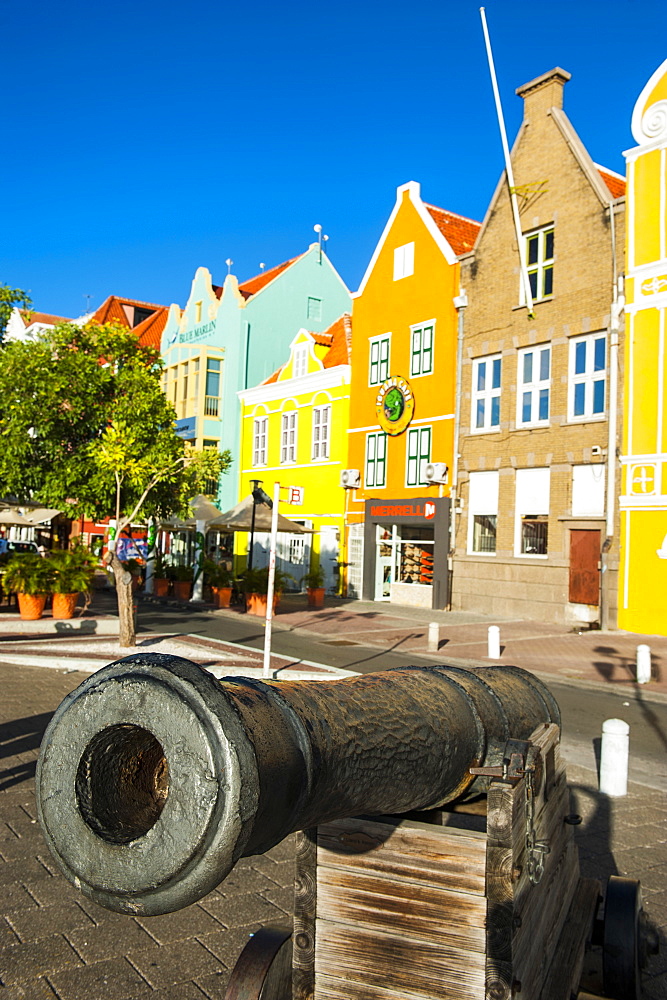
(459, 231)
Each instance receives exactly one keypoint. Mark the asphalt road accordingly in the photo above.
(584, 708)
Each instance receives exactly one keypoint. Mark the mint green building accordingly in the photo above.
(234, 336)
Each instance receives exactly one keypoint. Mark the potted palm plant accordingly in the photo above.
(256, 586)
(219, 579)
(181, 577)
(72, 574)
(160, 576)
(30, 578)
(314, 584)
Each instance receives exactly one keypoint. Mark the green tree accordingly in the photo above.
(86, 427)
(10, 297)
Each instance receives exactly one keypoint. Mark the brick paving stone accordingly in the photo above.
(115, 979)
(94, 944)
(7, 935)
(32, 989)
(19, 962)
(22, 870)
(227, 945)
(182, 991)
(215, 986)
(171, 927)
(281, 897)
(239, 911)
(16, 897)
(243, 880)
(52, 891)
(181, 961)
(31, 925)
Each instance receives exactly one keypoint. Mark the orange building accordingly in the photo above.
(402, 407)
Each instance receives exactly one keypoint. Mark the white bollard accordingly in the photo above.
(643, 663)
(494, 642)
(614, 754)
(433, 637)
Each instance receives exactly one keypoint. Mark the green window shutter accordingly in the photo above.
(415, 359)
(381, 460)
(427, 350)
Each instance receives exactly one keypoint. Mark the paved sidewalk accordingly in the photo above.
(56, 945)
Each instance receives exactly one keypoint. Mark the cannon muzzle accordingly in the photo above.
(154, 778)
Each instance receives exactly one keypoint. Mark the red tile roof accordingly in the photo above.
(149, 331)
(459, 231)
(29, 317)
(614, 182)
(254, 285)
(111, 310)
(341, 342)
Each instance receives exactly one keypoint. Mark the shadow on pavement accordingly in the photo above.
(17, 737)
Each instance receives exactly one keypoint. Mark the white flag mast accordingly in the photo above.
(528, 296)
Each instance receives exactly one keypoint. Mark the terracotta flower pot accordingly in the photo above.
(182, 589)
(31, 606)
(256, 604)
(64, 605)
(160, 587)
(315, 597)
(222, 596)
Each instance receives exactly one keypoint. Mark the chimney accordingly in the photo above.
(543, 93)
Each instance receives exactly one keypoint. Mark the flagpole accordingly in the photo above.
(508, 168)
(272, 575)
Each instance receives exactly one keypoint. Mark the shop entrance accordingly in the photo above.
(385, 563)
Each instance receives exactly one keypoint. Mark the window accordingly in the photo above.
(300, 361)
(421, 351)
(314, 308)
(212, 401)
(288, 439)
(588, 490)
(532, 512)
(539, 257)
(259, 441)
(196, 369)
(379, 360)
(376, 459)
(198, 306)
(486, 393)
(418, 454)
(185, 381)
(321, 421)
(533, 386)
(588, 376)
(404, 261)
(483, 512)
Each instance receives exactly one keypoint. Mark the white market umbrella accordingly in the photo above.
(239, 518)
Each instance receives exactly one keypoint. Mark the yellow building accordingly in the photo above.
(643, 502)
(294, 431)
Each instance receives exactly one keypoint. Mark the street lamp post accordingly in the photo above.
(258, 496)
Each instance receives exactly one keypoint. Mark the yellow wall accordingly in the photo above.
(384, 305)
(320, 478)
(643, 502)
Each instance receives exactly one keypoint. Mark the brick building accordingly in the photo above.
(536, 498)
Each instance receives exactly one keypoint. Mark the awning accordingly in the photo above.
(239, 518)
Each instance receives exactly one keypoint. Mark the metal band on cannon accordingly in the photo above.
(154, 778)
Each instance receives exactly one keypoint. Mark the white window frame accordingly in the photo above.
(288, 437)
(417, 454)
(404, 261)
(376, 458)
(588, 378)
(321, 426)
(422, 343)
(588, 490)
(532, 499)
(485, 395)
(300, 361)
(259, 440)
(533, 387)
(541, 267)
(379, 355)
(483, 490)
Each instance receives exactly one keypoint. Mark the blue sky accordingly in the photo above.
(144, 139)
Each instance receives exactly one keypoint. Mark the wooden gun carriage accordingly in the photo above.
(435, 849)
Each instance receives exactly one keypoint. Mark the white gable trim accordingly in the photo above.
(413, 189)
(328, 378)
(642, 137)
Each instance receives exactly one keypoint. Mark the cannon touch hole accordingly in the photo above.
(122, 783)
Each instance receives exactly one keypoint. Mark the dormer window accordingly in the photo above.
(300, 361)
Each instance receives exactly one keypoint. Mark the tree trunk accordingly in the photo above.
(126, 630)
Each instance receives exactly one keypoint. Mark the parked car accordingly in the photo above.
(21, 547)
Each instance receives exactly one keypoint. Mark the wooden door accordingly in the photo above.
(584, 566)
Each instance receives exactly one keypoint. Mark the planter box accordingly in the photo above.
(31, 606)
(256, 604)
(182, 589)
(64, 605)
(315, 597)
(222, 596)
(160, 587)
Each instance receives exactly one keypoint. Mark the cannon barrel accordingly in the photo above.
(154, 778)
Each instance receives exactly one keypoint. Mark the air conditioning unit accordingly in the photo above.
(350, 479)
(436, 472)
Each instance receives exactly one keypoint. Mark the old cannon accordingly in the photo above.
(154, 779)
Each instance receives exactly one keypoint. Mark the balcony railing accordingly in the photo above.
(211, 406)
